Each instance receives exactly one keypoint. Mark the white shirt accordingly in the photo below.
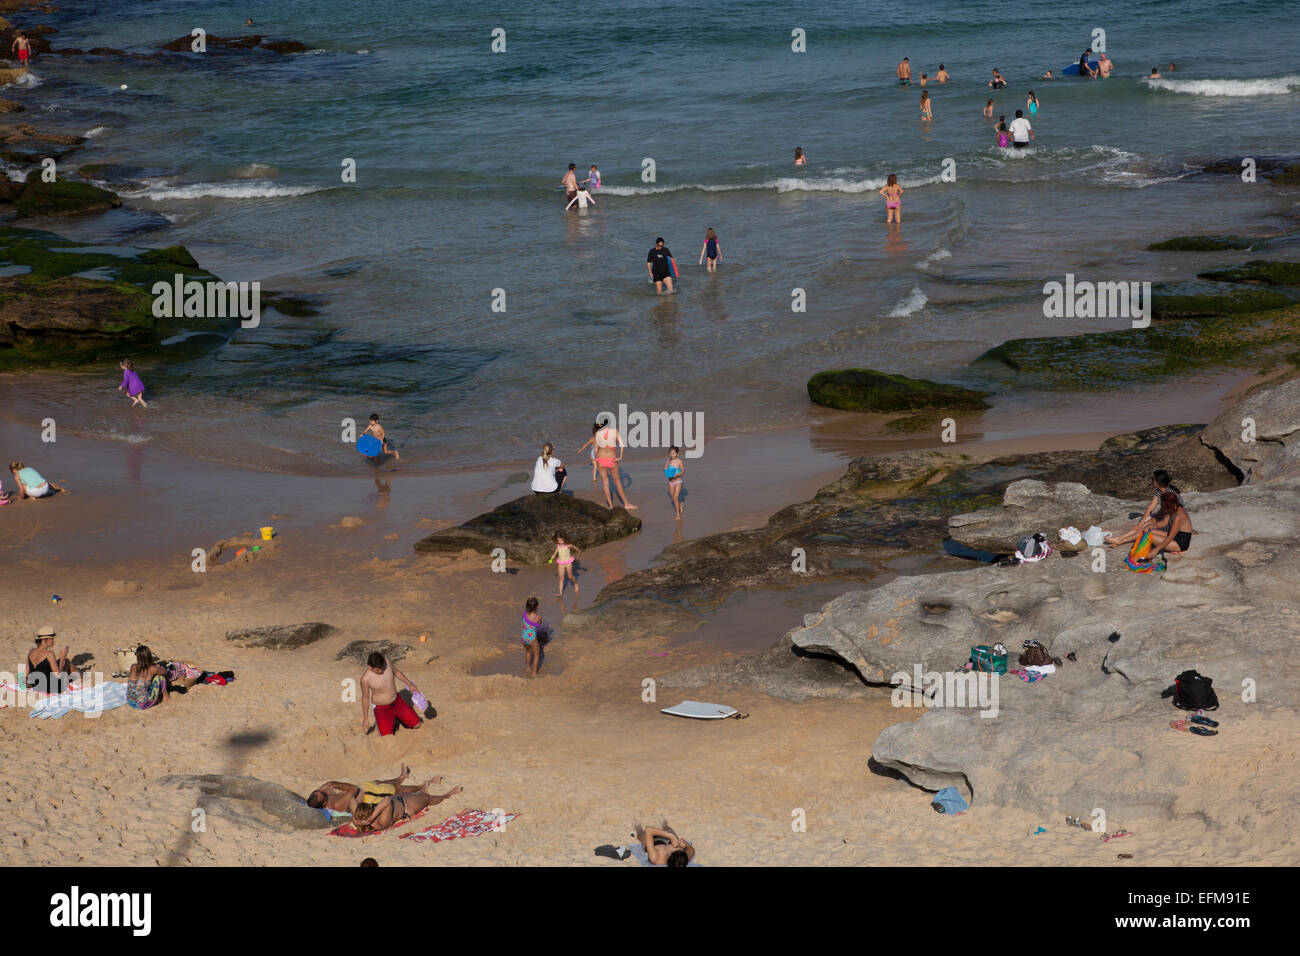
(544, 474)
(1020, 129)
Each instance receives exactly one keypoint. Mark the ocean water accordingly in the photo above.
(459, 152)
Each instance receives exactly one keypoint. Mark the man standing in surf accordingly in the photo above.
(570, 184)
(905, 72)
(24, 48)
(658, 262)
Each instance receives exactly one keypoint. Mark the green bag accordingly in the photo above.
(983, 659)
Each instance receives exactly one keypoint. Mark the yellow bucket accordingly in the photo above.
(267, 533)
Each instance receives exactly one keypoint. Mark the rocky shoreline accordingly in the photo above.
(1096, 733)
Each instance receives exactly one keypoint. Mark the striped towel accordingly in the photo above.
(467, 823)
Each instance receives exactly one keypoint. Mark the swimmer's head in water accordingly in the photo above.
(798, 152)
(678, 858)
(531, 605)
(316, 799)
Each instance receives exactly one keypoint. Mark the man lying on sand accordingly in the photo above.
(663, 846)
(397, 808)
(344, 797)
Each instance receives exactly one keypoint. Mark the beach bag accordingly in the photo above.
(1194, 692)
(949, 800)
(1036, 655)
(1095, 537)
(987, 660)
(1033, 548)
(419, 702)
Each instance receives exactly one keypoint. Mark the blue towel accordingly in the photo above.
(948, 800)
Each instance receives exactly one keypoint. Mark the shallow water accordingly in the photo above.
(459, 152)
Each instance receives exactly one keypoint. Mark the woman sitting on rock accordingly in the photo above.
(548, 472)
(1172, 526)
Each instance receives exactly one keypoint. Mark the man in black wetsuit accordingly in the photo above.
(1084, 69)
(656, 263)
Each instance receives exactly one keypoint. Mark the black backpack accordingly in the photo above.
(1194, 692)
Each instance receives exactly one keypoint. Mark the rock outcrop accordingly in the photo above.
(281, 637)
(525, 528)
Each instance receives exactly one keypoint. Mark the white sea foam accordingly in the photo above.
(937, 256)
(128, 437)
(915, 301)
(27, 81)
(1275, 86)
(785, 184)
(96, 131)
(251, 189)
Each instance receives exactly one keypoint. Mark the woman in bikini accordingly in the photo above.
(893, 194)
(675, 471)
(663, 846)
(394, 809)
(1173, 527)
(609, 452)
(563, 557)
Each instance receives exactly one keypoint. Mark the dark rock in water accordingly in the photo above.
(1176, 300)
(1258, 270)
(66, 303)
(866, 390)
(1278, 169)
(62, 198)
(250, 801)
(359, 651)
(1207, 243)
(212, 42)
(9, 106)
(285, 46)
(281, 637)
(291, 305)
(525, 528)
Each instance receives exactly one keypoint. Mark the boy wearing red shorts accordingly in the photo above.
(379, 689)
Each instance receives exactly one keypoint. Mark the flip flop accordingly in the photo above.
(1200, 718)
(1114, 836)
(1198, 730)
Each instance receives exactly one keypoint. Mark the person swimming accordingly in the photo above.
(1032, 103)
(799, 158)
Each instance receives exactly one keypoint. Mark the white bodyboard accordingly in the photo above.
(700, 710)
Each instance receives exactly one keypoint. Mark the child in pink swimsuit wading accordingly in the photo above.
(893, 194)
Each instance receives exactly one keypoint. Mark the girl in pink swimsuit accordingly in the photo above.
(893, 194)
(563, 558)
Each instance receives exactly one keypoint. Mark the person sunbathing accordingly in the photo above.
(1173, 527)
(342, 797)
(396, 808)
(1161, 481)
(663, 846)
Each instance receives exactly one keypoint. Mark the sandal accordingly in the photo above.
(1200, 718)
(1193, 729)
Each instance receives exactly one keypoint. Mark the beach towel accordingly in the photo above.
(467, 823)
(88, 700)
(348, 830)
(1138, 556)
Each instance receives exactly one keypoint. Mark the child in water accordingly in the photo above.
(799, 158)
(529, 638)
(893, 194)
(675, 471)
(988, 110)
(593, 180)
(1004, 137)
(926, 114)
(710, 248)
(563, 557)
(376, 429)
(1032, 103)
(131, 384)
